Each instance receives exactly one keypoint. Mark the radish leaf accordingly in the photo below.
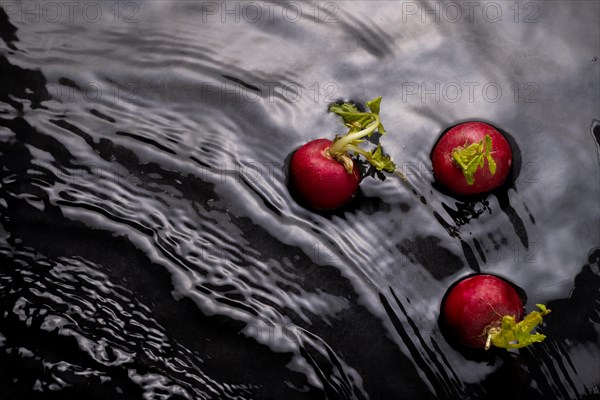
(361, 125)
(515, 335)
(472, 157)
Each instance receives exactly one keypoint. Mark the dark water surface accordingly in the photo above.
(149, 247)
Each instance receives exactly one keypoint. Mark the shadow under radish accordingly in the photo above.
(472, 207)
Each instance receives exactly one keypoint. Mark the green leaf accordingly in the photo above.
(361, 125)
(513, 335)
(374, 105)
(469, 159)
(357, 120)
(488, 154)
(343, 108)
(347, 111)
(381, 161)
(472, 157)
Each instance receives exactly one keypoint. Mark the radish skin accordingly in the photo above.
(464, 164)
(485, 310)
(322, 182)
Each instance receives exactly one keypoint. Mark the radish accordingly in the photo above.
(320, 180)
(484, 310)
(471, 158)
(322, 172)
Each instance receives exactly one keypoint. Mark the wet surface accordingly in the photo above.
(150, 248)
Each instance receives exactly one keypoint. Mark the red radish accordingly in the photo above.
(322, 172)
(484, 310)
(471, 158)
(319, 179)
